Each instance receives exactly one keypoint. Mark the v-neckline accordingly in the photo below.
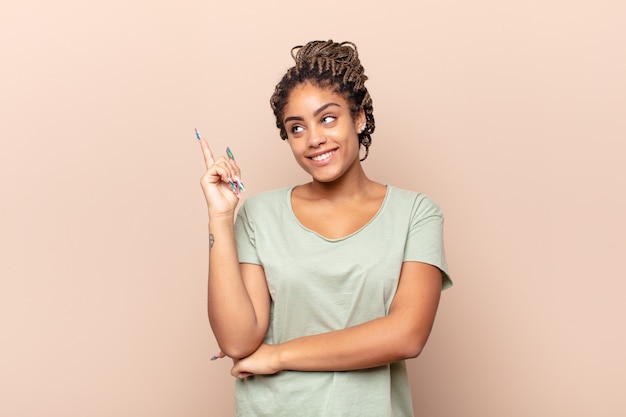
(358, 230)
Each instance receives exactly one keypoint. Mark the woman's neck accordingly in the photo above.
(348, 187)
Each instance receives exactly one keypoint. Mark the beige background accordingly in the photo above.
(511, 114)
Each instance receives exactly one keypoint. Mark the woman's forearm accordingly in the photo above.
(377, 342)
(371, 344)
(231, 311)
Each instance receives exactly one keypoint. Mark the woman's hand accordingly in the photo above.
(219, 182)
(264, 361)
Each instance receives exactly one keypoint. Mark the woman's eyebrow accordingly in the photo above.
(315, 113)
(324, 107)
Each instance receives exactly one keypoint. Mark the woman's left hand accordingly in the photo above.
(264, 361)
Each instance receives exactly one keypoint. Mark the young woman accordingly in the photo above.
(320, 291)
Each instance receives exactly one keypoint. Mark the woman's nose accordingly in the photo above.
(317, 136)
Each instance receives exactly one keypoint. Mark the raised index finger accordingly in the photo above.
(206, 150)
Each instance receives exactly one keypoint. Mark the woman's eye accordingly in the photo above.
(296, 129)
(328, 119)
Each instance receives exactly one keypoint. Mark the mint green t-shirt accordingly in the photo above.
(319, 285)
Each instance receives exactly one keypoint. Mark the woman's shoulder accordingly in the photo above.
(417, 200)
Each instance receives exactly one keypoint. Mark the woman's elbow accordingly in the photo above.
(413, 350)
(237, 352)
(412, 346)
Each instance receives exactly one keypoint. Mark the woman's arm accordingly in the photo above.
(238, 298)
(400, 335)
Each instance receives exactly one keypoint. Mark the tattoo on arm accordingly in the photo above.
(211, 240)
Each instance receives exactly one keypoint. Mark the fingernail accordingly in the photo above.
(230, 154)
(233, 187)
(241, 187)
(197, 133)
(214, 358)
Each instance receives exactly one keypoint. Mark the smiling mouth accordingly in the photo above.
(323, 156)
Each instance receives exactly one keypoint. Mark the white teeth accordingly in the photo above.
(322, 157)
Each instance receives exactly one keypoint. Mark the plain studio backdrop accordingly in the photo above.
(510, 114)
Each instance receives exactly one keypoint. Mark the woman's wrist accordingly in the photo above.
(222, 217)
(279, 357)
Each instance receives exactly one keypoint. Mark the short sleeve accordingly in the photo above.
(424, 241)
(245, 237)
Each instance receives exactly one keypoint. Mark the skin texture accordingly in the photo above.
(339, 200)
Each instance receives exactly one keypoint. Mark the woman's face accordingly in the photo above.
(321, 132)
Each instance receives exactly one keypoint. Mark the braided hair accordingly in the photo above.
(331, 65)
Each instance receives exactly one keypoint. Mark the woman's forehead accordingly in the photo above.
(308, 95)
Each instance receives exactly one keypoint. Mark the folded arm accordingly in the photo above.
(400, 335)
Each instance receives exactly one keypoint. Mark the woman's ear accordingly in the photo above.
(360, 121)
